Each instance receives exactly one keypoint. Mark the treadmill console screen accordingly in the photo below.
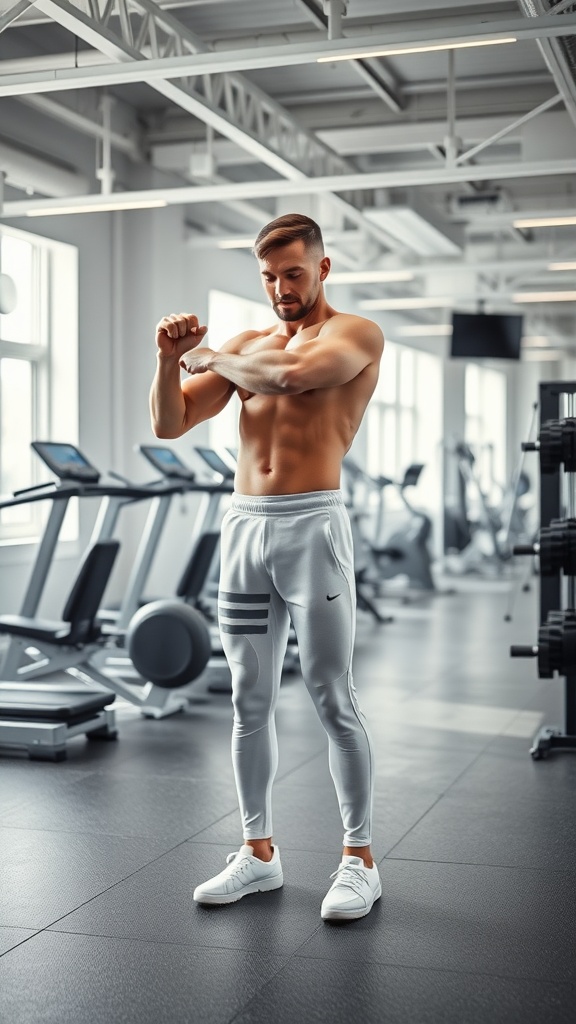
(217, 465)
(66, 461)
(166, 461)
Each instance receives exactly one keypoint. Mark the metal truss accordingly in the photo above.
(138, 30)
(14, 12)
(232, 105)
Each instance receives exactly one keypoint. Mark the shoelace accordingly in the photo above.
(354, 878)
(240, 866)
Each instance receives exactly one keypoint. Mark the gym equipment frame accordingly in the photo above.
(556, 449)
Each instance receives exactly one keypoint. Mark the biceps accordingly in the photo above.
(205, 396)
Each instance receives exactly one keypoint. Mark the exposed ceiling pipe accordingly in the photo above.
(362, 67)
(165, 68)
(25, 171)
(124, 143)
(401, 178)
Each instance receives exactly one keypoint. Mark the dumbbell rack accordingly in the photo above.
(556, 649)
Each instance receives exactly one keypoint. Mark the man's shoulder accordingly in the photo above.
(358, 327)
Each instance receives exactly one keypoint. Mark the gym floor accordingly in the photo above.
(475, 841)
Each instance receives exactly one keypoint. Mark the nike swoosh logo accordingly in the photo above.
(332, 598)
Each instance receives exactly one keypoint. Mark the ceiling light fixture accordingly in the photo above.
(369, 276)
(425, 331)
(433, 47)
(567, 265)
(542, 355)
(543, 222)
(235, 243)
(58, 211)
(534, 340)
(544, 297)
(409, 302)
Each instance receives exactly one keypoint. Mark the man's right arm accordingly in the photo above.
(176, 407)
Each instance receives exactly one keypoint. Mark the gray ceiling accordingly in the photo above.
(267, 128)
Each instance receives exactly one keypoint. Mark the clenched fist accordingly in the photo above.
(178, 333)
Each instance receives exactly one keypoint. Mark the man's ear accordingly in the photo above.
(324, 267)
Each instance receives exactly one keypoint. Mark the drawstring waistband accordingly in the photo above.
(285, 504)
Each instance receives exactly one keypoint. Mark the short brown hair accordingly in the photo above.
(284, 230)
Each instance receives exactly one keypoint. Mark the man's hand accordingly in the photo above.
(197, 360)
(178, 333)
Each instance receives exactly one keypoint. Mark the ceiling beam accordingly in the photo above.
(165, 68)
(400, 178)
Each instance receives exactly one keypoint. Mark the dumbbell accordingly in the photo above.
(556, 647)
(556, 445)
(556, 548)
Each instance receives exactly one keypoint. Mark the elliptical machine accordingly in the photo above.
(404, 551)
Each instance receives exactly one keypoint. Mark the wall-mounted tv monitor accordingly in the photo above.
(486, 335)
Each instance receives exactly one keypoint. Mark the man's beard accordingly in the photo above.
(296, 312)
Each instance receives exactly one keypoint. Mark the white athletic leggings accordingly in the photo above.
(290, 557)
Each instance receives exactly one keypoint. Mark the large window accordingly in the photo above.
(404, 419)
(38, 366)
(229, 315)
(485, 431)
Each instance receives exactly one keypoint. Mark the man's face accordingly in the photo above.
(292, 277)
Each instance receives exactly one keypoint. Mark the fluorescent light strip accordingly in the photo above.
(543, 222)
(425, 331)
(57, 211)
(542, 355)
(534, 340)
(410, 302)
(568, 265)
(235, 243)
(544, 297)
(415, 49)
(369, 276)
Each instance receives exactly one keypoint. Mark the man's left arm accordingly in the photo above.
(328, 361)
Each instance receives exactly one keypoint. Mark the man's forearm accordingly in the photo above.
(167, 404)
(263, 373)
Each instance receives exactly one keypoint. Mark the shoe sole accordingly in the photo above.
(216, 899)
(353, 915)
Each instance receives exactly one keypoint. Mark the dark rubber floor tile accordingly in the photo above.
(463, 918)
(79, 979)
(48, 874)
(319, 991)
(156, 904)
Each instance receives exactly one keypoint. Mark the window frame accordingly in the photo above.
(53, 264)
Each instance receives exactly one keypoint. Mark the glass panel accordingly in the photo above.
(407, 373)
(494, 411)
(229, 315)
(374, 431)
(406, 446)
(16, 420)
(17, 260)
(472, 389)
(389, 459)
(387, 386)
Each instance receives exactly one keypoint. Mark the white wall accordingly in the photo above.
(134, 268)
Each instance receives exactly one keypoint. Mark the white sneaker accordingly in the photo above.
(244, 874)
(355, 890)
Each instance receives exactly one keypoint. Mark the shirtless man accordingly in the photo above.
(286, 551)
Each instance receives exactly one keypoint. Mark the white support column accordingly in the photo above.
(105, 173)
(335, 10)
(451, 142)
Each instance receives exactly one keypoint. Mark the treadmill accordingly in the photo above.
(38, 719)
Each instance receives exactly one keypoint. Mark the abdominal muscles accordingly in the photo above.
(292, 444)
